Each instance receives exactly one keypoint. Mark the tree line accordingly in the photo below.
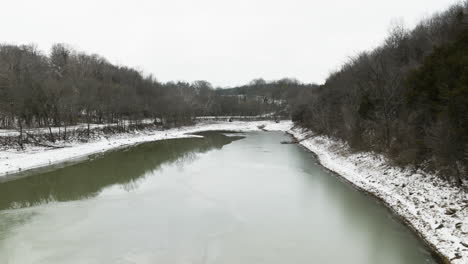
(67, 87)
(275, 96)
(407, 98)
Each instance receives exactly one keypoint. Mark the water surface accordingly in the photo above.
(216, 199)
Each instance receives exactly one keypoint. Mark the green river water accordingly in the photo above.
(236, 199)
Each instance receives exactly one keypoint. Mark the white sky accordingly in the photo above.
(227, 42)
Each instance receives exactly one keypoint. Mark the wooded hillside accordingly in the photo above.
(408, 98)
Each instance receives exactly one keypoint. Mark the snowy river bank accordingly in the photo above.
(435, 210)
(14, 161)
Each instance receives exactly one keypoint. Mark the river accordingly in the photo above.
(234, 198)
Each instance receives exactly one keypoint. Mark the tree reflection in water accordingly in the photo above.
(124, 167)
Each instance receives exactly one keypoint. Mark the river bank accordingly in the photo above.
(14, 161)
(435, 210)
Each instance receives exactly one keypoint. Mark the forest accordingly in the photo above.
(67, 87)
(407, 98)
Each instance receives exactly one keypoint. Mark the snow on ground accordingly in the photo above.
(256, 117)
(44, 130)
(437, 211)
(13, 161)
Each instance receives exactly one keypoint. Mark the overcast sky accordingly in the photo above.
(227, 42)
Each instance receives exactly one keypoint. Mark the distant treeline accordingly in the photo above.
(282, 93)
(287, 89)
(408, 98)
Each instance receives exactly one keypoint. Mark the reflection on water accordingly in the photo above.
(253, 201)
(87, 179)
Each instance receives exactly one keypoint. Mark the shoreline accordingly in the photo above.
(440, 258)
(424, 213)
(19, 163)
